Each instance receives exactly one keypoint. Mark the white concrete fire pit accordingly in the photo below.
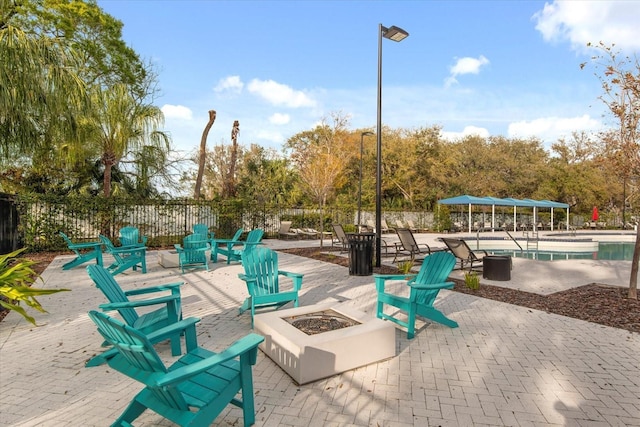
(169, 259)
(309, 358)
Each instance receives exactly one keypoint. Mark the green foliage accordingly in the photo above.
(405, 267)
(443, 218)
(472, 280)
(16, 277)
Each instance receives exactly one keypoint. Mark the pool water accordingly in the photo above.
(606, 251)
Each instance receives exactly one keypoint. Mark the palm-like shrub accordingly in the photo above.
(16, 278)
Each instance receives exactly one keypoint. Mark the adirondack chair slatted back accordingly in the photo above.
(433, 275)
(254, 236)
(261, 276)
(140, 354)
(201, 229)
(130, 236)
(195, 389)
(436, 268)
(262, 264)
(68, 241)
(112, 290)
(192, 253)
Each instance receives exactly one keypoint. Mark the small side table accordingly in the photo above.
(496, 267)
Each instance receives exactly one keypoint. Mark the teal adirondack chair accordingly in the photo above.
(195, 389)
(424, 288)
(170, 303)
(130, 236)
(193, 252)
(215, 243)
(234, 248)
(203, 229)
(261, 274)
(125, 257)
(85, 252)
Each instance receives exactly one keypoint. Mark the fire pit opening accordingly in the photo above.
(321, 321)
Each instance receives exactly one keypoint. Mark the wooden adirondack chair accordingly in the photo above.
(203, 229)
(261, 274)
(233, 249)
(130, 236)
(170, 311)
(424, 288)
(85, 252)
(195, 389)
(224, 243)
(125, 257)
(193, 252)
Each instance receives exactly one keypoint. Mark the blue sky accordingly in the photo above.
(508, 68)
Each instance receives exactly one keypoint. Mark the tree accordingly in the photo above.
(321, 156)
(117, 125)
(620, 79)
(265, 177)
(40, 91)
(202, 156)
(229, 189)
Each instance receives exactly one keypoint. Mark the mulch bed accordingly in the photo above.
(596, 303)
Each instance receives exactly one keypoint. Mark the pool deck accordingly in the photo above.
(504, 366)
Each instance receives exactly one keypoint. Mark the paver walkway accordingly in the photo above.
(504, 365)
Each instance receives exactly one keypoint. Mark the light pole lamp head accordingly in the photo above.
(394, 33)
(367, 133)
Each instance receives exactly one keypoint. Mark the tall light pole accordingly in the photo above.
(396, 34)
(362, 135)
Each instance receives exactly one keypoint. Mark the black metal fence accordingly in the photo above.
(41, 219)
(35, 221)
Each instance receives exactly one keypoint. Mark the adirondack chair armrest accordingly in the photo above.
(127, 249)
(138, 303)
(429, 286)
(188, 326)
(87, 245)
(178, 247)
(245, 345)
(296, 277)
(381, 279)
(173, 287)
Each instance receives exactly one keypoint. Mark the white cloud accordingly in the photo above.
(279, 119)
(229, 84)
(279, 94)
(176, 112)
(271, 136)
(552, 128)
(467, 131)
(466, 65)
(582, 22)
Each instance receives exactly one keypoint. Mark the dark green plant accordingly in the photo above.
(16, 277)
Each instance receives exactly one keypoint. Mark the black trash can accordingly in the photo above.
(360, 253)
(496, 267)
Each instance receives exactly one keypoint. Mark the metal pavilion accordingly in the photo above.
(469, 201)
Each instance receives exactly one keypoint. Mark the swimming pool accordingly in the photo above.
(606, 251)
